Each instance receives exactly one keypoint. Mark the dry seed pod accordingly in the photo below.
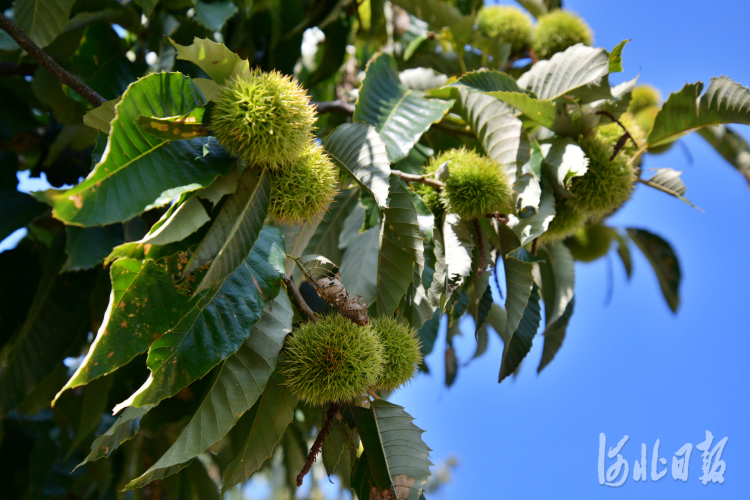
(332, 291)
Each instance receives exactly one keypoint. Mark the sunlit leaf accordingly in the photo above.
(215, 59)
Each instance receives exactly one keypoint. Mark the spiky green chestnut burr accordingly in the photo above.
(263, 118)
(476, 186)
(644, 96)
(568, 219)
(590, 243)
(612, 132)
(402, 352)
(304, 189)
(557, 31)
(431, 198)
(509, 23)
(333, 360)
(607, 184)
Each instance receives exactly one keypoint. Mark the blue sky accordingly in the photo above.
(632, 367)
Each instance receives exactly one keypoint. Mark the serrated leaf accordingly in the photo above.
(124, 429)
(394, 271)
(400, 115)
(483, 309)
(668, 181)
(494, 123)
(519, 283)
(56, 323)
(93, 406)
(216, 325)
(558, 280)
(664, 262)
(215, 59)
(214, 15)
(579, 71)
(144, 304)
(421, 78)
(436, 13)
(137, 169)
(402, 215)
(437, 287)
(398, 458)
(542, 111)
(42, 20)
(459, 247)
(624, 252)
(489, 81)
(18, 210)
(235, 230)
(334, 445)
(554, 335)
(531, 227)
(615, 57)
(240, 381)
(359, 150)
(296, 238)
(518, 344)
(268, 418)
(428, 333)
(730, 145)
(563, 161)
(725, 101)
(359, 266)
(88, 246)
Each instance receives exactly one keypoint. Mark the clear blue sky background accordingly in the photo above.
(631, 367)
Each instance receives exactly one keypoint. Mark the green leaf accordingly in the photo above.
(664, 261)
(428, 333)
(437, 287)
(725, 101)
(518, 344)
(494, 123)
(730, 145)
(175, 128)
(400, 115)
(237, 386)
(489, 81)
(483, 309)
(94, 404)
(579, 72)
(215, 59)
(137, 169)
(668, 181)
(268, 419)
(554, 335)
(615, 57)
(529, 228)
(235, 230)
(563, 161)
(101, 117)
(436, 13)
(359, 266)
(395, 272)
(166, 236)
(124, 429)
(537, 8)
(296, 238)
(624, 252)
(18, 209)
(216, 325)
(42, 20)
(459, 247)
(558, 280)
(325, 240)
(518, 282)
(55, 326)
(88, 246)
(541, 111)
(214, 15)
(398, 458)
(403, 217)
(334, 445)
(143, 305)
(358, 149)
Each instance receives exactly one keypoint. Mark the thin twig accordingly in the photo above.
(62, 75)
(337, 106)
(422, 179)
(624, 138)
(533, 246)
(301, 304)
(372, 393)
(478, 229)
(318, 442)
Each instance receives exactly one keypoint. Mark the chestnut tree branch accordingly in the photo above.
(318, 442)
(301, 304)
(421, 179)
(63, 76)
